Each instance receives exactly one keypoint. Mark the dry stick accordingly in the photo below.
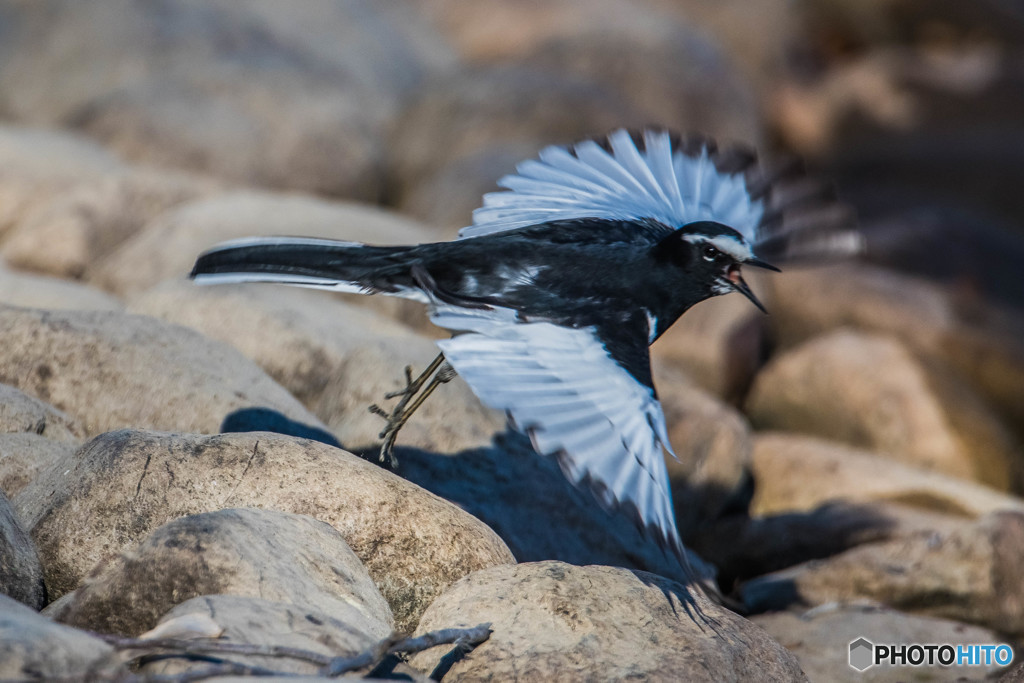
(389, 646)
(330, 666)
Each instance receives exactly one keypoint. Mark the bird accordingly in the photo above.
(565, 277)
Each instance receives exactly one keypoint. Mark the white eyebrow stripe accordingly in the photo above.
(729, 245)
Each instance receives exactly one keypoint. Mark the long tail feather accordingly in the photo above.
(317, 263)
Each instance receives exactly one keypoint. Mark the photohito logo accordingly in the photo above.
(864, 654)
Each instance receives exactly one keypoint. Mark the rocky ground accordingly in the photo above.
(181, 464)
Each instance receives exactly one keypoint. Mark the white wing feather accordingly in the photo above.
(560, 386)
(659, 182)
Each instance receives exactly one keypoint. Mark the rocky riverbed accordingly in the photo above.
(199, 464)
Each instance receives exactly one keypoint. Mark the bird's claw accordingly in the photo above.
(409, 388)
(440, 372)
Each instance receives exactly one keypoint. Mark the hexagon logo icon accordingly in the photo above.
(862, 653)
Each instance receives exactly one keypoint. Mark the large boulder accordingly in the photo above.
(686, 75)
(820, 638)
(32, 647)
(33, 436)
(23, 414)
(37, 165)
(742, 547)
(981, 342)
(167, 247)
(796, 473)
(968, 572)
(28, 290)
(264, 554)
(710, 475)
(297, 98)
(111, 370)
(336, 358)
(542, 74)
(528, 501)
(21, 576)
(69, 232)
(603, 623)
(870, 391)
(23, 456)
(121, 486)
(470, 127)
(255, 621)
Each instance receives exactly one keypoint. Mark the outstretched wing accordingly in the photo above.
(656, 175)
(561, 387)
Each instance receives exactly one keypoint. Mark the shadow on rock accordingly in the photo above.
(268, 420)
(742, 547)
(527, 500)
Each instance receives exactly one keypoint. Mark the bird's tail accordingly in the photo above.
(307, 262)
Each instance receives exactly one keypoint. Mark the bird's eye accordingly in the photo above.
(710, 253)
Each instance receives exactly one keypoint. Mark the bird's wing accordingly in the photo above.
(659, 176)
(561, 387)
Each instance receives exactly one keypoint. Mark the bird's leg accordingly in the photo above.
(438, 372)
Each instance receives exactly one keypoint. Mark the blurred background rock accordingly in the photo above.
(878, 411)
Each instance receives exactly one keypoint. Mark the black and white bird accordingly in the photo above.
(564, 280)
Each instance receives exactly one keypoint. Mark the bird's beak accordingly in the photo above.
(741, 286)
(761, 264)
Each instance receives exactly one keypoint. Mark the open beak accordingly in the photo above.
(741, 286)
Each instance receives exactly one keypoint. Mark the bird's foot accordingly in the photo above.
(438, 372)
(410, 386)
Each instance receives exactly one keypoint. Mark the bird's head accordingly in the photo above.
(713, 255)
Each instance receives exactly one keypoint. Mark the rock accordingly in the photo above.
(687, 77)
(742, 548)
(968, 573)
(121, 486)
(719, 343)
(167, 248)
(37, 165)
(448, 196)
(336, 358)
(811, 301)
(452, 420)
(980, 342)
(604, 623)
(712, 441)
(20, 413)
(297, 99)
(890, 401)
(538, 75)
(530, 504)
(111, 370)
(248, 552)
(256, 621)
(24, 456)
(481, 118)
(21, 577)
(75, 229)
(757, 37)
(796, 473)
(820, 637)
(40, 291)
(32, 646)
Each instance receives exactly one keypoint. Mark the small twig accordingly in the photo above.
(393, 645)
(203, 648)
(467, 637)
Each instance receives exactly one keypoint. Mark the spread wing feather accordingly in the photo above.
(561, 387)
(658, 176)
